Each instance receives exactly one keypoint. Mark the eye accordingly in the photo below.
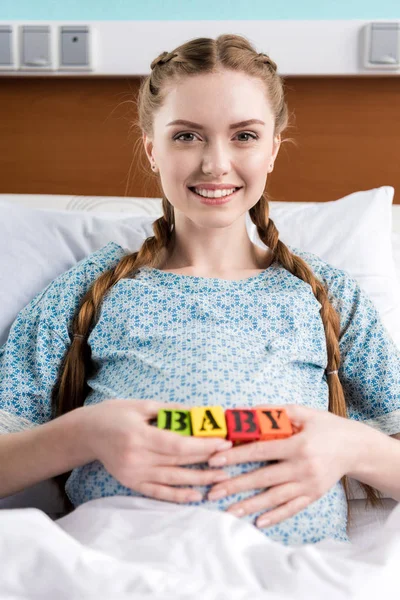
(181, 135)
(252, 135)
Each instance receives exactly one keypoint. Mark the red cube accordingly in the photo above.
(242, 425)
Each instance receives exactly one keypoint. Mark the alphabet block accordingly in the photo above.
(208, 421)
(175, 420)
(243, 425)
(274, 423)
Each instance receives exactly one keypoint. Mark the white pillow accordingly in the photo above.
(396, 252)
(38, 245)
(353, 233)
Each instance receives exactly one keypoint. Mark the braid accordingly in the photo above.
(269, 235)
(71, 388)
(298, 267)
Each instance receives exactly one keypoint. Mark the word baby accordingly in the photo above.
(237, 425)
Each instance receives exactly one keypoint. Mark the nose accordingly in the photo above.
(216, 160)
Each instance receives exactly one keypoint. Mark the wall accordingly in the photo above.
(99, 10)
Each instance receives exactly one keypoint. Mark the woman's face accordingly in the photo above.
(212, 151)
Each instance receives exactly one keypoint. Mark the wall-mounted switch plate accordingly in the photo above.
(7, 60)
(75, 48)
(381, 46)
(35, 48)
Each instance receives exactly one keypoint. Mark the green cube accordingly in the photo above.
(175, 420)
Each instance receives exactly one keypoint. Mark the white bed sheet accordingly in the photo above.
(125, 547)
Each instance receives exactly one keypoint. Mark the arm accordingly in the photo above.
(378, 463)
(33, 455)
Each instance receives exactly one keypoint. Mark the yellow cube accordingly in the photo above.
(208, 421)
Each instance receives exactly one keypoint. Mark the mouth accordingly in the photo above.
(221, 200)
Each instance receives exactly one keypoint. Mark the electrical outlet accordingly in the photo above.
(75, 50)
(381, 45)
(7, 60)
(35, 48)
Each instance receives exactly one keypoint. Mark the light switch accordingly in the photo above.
(382, 45)
(75, 47)
(35, 49)
(6, 54)
(385, 43)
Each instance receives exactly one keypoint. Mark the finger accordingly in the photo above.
(298, 413)
(176, 476)
(153, 458)
(287, 510)
(172, 443)
(265, 477)
(171, 494)
(272, 498)
(182, 459)
(256, 451)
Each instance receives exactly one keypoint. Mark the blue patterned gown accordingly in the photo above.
(206, 341)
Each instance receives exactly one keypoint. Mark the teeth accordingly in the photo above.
(214, 193)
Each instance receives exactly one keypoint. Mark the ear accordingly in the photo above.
(148, 146)
(275, 147)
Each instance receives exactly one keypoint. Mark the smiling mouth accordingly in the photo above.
(192, 189)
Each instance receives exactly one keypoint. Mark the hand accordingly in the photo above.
(323, 448)
(145, 458)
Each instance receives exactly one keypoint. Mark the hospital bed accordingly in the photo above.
(81, 224)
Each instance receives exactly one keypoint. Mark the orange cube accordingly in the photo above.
(274, 423)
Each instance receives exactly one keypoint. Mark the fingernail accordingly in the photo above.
(224, 446)
(238, 512)
(217, 494)
(263, 523)
(221, 477)
(217, 461)
(195, 497)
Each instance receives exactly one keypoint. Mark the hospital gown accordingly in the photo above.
(206, 341)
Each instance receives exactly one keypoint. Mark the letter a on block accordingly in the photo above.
(243, 425)
(208, 421)
(274, 423)
(175, 420)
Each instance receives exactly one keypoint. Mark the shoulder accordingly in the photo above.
(83, 272)
(58, 302)
(327, 273)
(344, 291)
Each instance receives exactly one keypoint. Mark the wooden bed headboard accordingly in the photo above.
(73, 135)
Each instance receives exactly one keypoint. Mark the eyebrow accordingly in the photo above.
(233, 126)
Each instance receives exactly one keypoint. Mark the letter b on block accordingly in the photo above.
(243, 425)
(175, 420)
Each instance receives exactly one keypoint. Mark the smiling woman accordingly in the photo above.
(120, 333)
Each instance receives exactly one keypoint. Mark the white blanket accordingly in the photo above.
(139, 548)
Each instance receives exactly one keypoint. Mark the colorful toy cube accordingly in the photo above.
(208, 421)
(243, 425)
(274, 423)
(175, 420)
